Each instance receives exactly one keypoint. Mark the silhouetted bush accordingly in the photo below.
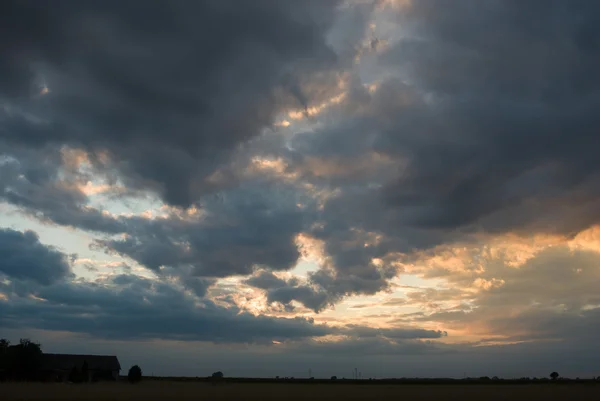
(85, 374)
(75, 375)
(135, 374)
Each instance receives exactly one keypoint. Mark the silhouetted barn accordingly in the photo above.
(100, 367)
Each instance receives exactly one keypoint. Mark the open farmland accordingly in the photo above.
(273, 391)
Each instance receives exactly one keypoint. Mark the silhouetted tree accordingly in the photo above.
(75, 375)
(333, 377)
(554, 375)
(4, 362)
(135, 374)
(217, 375)
(22, 361)
(85, 374)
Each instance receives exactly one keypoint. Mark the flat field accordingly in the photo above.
(165, 390)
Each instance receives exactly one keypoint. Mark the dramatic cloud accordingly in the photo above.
(159, 94)
(491, 144)
(265, 280)
(418, 177)
(39, 185)
(552, 295)
(230, 235)
(132, 307)
(453, 143)
(23, 257)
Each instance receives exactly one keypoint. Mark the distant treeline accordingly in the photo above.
(423, 381)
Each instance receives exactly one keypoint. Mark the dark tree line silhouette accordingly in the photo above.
(21, 361)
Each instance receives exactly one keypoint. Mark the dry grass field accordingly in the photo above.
(289, 392)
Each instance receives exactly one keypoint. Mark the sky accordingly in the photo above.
(406, 187)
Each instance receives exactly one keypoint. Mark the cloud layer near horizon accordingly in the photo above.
(433, 161)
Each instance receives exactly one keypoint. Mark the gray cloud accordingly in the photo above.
(36, 182)
(120, 120)
(500, 146)
(23, 257)
(484, 122)
(285, 291)
(457, 142)
(41, 295)
(167, 90)
(323, 288)
(131, 307)
(462, 142)
(310, 297)
(394, 333)
(265, 280)
(552, 296)
(253, 225)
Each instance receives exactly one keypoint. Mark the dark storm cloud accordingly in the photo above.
(505, 140)
(285, 291)
(124, 307)
(208, 95)
(265, 280)
(253, 225)
(30, 180)
(315, 299)
(487, 121)
(167, 89)
(23, 257)
(490, 117)
(322, 289)
(132, 307)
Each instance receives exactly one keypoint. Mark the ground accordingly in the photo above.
(314, 392)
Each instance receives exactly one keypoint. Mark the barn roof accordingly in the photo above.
(68, 361)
